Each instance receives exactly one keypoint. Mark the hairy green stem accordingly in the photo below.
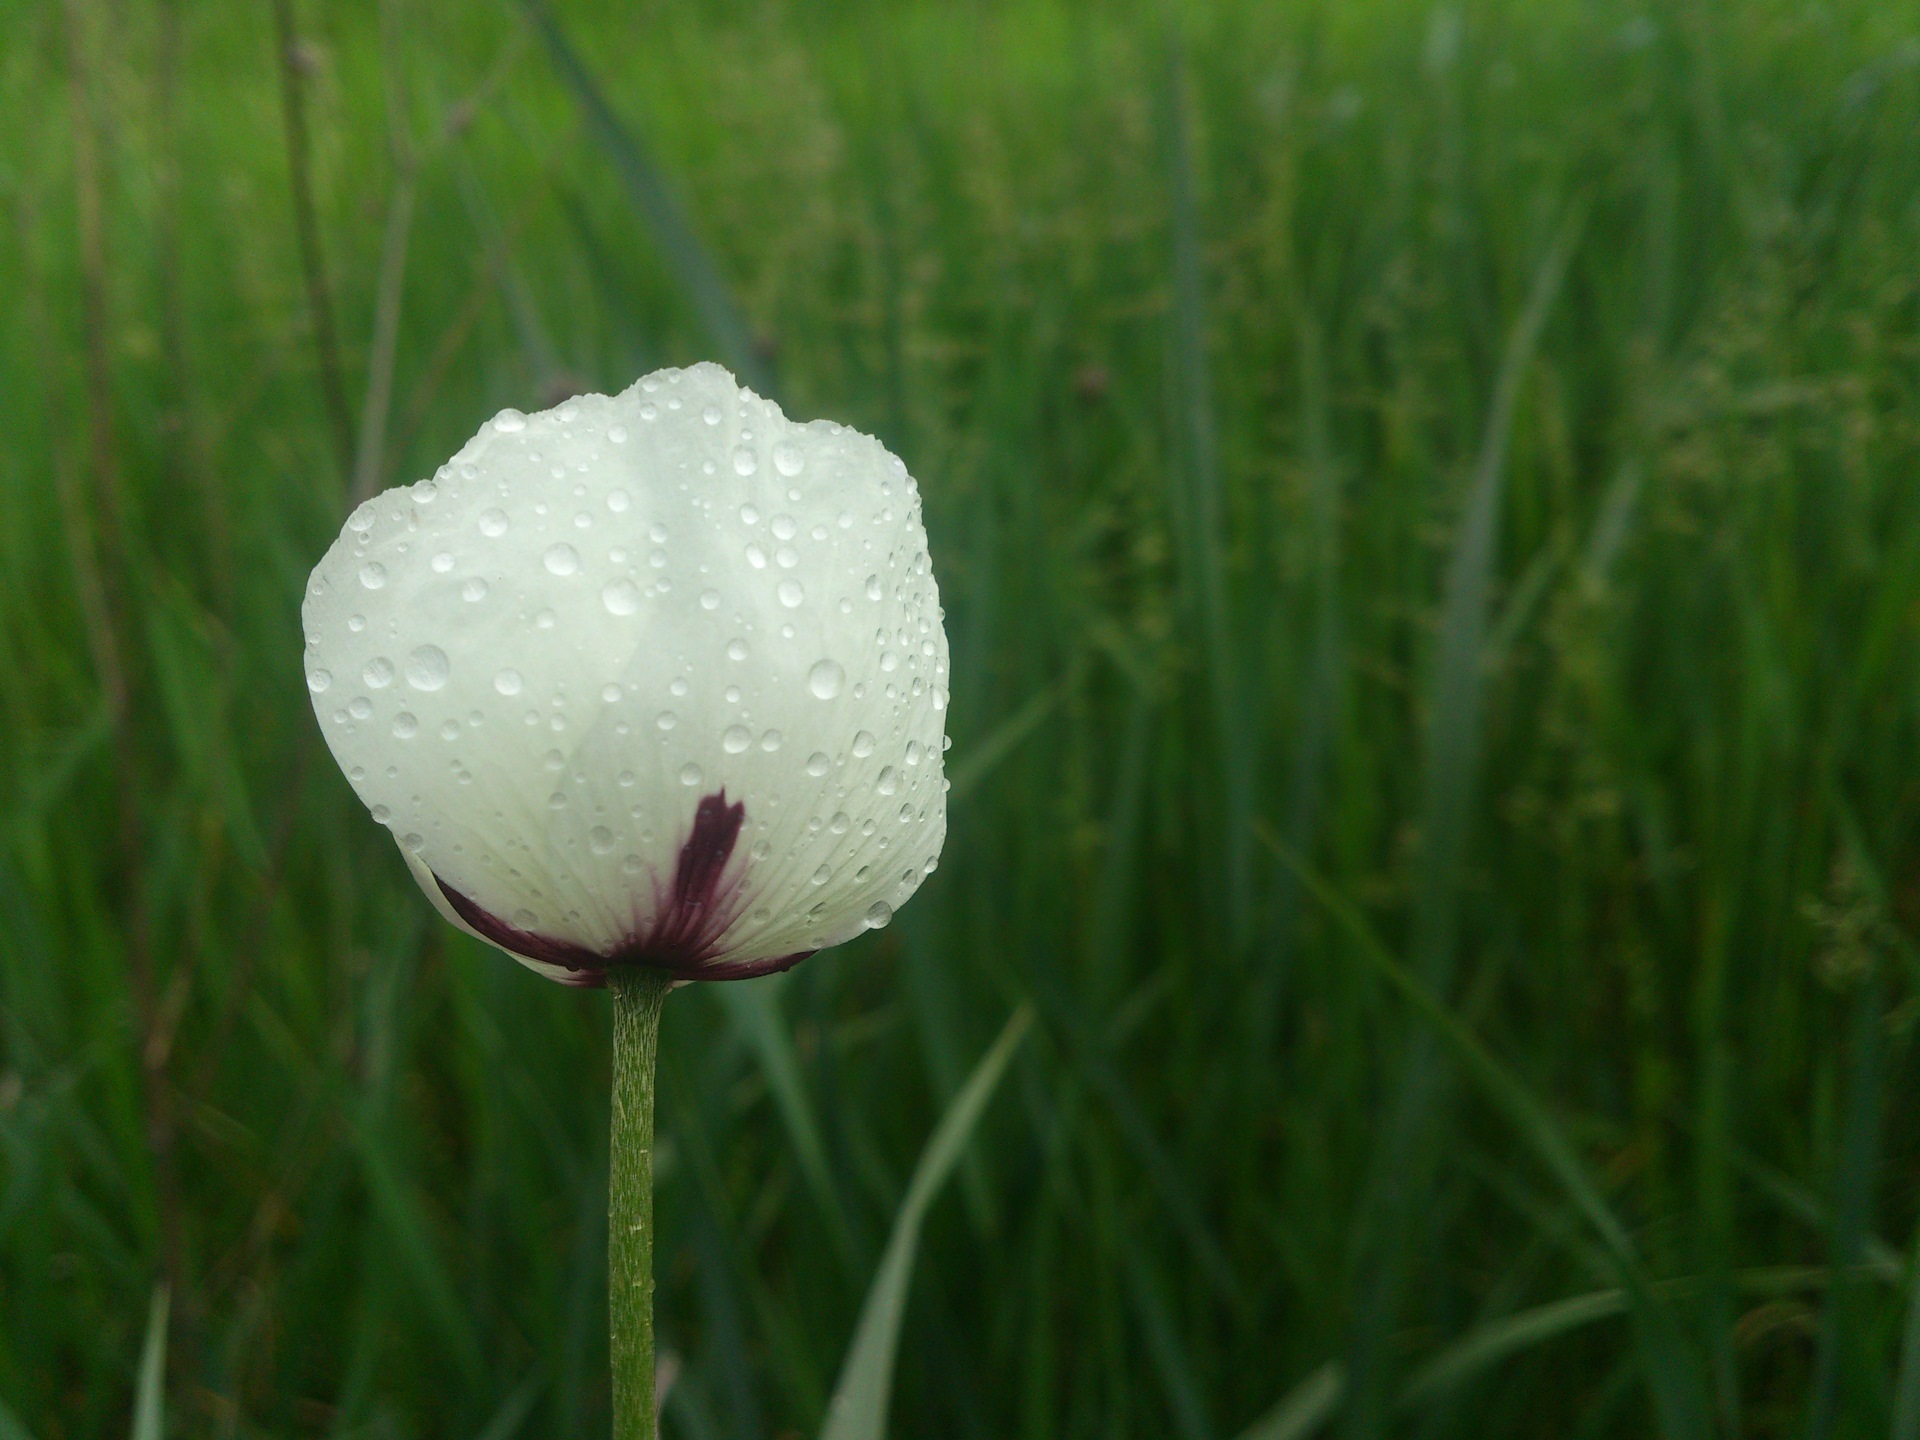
(638, 994)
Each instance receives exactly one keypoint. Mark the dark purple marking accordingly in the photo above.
(683, 938)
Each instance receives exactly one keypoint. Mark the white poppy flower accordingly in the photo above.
(648, 679)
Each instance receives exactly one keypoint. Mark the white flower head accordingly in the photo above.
(646, 679)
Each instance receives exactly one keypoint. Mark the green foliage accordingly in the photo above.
(1473, 447)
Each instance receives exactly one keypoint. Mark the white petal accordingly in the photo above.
(538, 663)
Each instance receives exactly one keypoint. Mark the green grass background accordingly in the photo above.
(1428, 506)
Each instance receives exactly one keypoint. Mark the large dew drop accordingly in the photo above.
(621, 597)
(562, 559)
(427, 668)
(826, 678)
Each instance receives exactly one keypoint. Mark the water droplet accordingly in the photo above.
(493, 523)
(690, 774)
(783, 527)
(474, 590)
(818, 764)
(508, 421)
(878, 914)
(373, 575)
(616, 434)
(863, 744)
(745, 462)
(427, 668)
(736, 649)
(356, 623)
(601, 839)
(362, 518)
(450, 730)
(379, 673)
(525, 919)
(822, 875)
(621, 597)
(381, 814)
(786, 557)
(507, 682)
(561, 559)
(657, 559)
(913, 752)
(711, 414)
(735, 739)
(709, 599)
(939, 697)
(770, 741)
(442, 563)
(749, 515)
(756, 557)
(318, 680)
(873, 587)
(667, 720)
(360, 708)
(617, 501)
(405, 725)
(840, 823)
(788, 458)
(791, 594)
(826, 678)
(888, 782)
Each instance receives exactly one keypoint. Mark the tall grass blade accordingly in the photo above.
(1906, 1385)
(653, 200)
(754, 1011)
(858, 1410)
(1303, 1409)
(150, 1397)
(1450, 765)
(1679, 1402)
(1169, 1356)
(514, 1410)
(1198, 505)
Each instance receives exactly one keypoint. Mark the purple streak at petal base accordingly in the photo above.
(684, 938)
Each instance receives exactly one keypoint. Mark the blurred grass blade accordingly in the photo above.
(755, 1012)
(1303, 1409)
(987, 752)
(149, 1401)
(1487, 1345)
(858, 1410)
(514, 1410)
(1089, 1052)
(1452, 742)
(1679, 1402)
(1197, 501)
(1906, 1388)
(652, 197)
(1169, 1356)
(1853, 1201)
(1450, 762)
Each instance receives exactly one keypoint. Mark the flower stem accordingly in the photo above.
(638, 994)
